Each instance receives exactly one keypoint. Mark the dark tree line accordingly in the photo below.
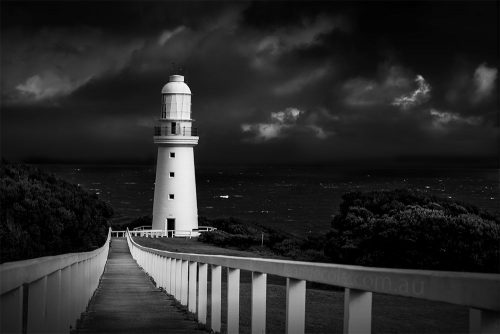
(399, 229)
(408, 229)
(42, 215)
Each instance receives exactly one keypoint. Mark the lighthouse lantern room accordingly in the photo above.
(175, 207)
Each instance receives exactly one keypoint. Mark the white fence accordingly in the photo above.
(48, 294)
(149, 233)
(185, 277)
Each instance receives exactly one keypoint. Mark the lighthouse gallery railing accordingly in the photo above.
(175, 131)
(48, 294)
(185, 277)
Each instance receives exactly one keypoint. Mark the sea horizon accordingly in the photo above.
(293, 198)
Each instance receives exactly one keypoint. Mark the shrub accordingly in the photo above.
(287, 247)
(406, 229)
(43, 215)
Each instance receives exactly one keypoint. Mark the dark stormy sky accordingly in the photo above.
(296, 82)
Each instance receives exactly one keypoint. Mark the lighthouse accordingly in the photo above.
(175, 206)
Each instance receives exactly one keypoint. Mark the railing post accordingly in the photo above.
(474, 321)
(233, 301)
(178, 279)
(73, 302)
(151, 271)
(154, 269)
(173, 271)
(54, 300)
(66, 305)
(216, 298)
(150, 262)
(95, 272)
(295, 306)
(184, 282)
(202, 293)
(158, 271)
(163, 263)
(79, 288)
(168, 277)
(192, 287)
(483, 321)
(36, 305)
(357, 311)
(258, 302)
(12, 311)
(88, 285)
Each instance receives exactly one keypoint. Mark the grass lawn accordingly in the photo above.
(324, 308)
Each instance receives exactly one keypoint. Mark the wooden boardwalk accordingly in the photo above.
(126, 301)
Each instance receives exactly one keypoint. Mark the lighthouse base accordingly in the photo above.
(175, 206)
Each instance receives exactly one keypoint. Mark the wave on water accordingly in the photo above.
(328, 185)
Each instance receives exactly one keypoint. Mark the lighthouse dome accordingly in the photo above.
(176, 85)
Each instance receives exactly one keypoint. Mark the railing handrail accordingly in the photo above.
(17, 273)
(476, 290)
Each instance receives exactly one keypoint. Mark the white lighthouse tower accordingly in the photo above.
(175, 206)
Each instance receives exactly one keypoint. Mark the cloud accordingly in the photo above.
(280, 121)
(417, 97)
(319, 132)
(47, 85)
(53, 61)
(299, 82)
(268, 48)
(281, 125)
(168, 34)
(361, 92)
(484, 81)
(442, 119)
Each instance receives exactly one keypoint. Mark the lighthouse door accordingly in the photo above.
(170, 224)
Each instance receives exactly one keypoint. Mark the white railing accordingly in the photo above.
(146, 231)
(206, 229)
(142, 228)
(118, 234)
(48, 294)
(185, 277)
(164, 233)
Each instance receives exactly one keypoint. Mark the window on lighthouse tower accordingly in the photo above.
(163, 111)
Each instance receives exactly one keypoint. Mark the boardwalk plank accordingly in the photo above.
(126, 301)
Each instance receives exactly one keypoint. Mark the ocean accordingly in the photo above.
(295, 199)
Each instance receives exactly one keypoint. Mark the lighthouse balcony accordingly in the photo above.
(175, 131)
